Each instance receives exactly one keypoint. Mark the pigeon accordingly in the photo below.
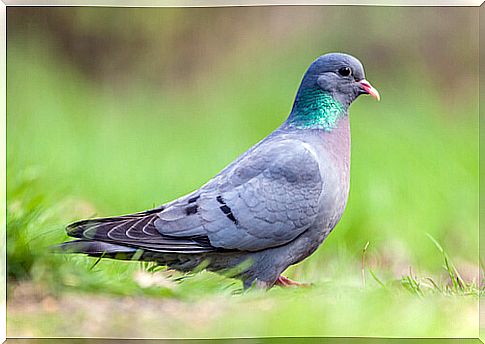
(270, 208)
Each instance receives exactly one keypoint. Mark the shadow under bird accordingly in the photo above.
(270, 208)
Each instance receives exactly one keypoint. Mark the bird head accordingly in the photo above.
(340, 75)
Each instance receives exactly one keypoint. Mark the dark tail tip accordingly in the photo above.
(91, 248)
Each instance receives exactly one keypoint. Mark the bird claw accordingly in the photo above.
(283, 281)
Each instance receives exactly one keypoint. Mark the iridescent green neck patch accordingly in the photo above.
(315, 109)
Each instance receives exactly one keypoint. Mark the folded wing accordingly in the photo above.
(266, 198)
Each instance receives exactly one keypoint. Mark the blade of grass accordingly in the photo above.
(364, 250)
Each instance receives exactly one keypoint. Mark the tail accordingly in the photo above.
(96, 249)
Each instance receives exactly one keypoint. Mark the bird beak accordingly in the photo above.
(367, 87)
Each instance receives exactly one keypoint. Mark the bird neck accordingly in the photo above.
(316, 109)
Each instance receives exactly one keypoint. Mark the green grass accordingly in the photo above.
(77, 149)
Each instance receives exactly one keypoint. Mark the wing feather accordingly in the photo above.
(136, 231)
(266, 199)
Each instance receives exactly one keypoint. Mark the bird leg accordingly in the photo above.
(283, 281)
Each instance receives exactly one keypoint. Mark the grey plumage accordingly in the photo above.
(272, 207)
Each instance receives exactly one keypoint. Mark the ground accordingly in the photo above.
(325, 309)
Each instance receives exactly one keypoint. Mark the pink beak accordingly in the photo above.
(369, 89)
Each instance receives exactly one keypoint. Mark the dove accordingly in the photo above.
(270, 208)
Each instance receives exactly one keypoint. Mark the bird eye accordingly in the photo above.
(345, 71)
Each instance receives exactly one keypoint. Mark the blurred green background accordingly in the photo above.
(116, 110)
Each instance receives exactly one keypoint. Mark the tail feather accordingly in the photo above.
(94, 248)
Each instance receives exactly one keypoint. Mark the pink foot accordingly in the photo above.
(283, 281)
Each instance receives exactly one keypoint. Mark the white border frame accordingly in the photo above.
(143, 3)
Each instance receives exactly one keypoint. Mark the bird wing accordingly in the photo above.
(136, 231)
(266, 198)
